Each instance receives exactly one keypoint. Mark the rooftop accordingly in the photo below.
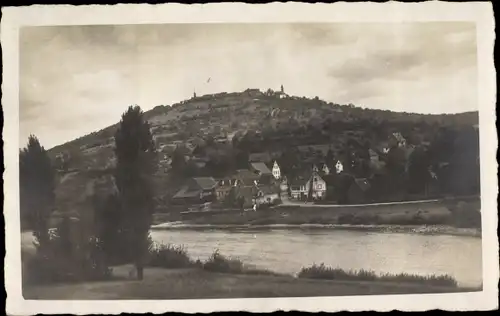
(260, 167)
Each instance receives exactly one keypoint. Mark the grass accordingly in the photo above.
(169, 256)
(328, 273)
(222, 264)
(176, 257)
(161, 283)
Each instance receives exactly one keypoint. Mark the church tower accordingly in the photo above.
(282, 89)
(194, 94)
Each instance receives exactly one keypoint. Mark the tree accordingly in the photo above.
(329, 158)
(418, 170)
(136, 165)
(178, 161)
(37, 184)
(108, 219)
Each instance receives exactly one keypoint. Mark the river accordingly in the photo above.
(289, 250)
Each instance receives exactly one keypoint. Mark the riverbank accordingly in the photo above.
(407, 229)
(162, 283)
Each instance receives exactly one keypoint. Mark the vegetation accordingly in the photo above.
(136, 164)
(220, 263)
(36, 177)
(169, 256)
(66, 258)
(328, 273)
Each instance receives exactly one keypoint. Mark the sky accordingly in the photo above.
(79, 79)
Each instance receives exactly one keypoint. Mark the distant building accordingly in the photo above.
(301, 185)
(276, 171)
(260, 168)
(325, 169)
(396, 139)
(225, 186)
(315, 169)
(374, 157)
(196, 191)
(339, 167)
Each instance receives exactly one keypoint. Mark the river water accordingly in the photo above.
(289, 250)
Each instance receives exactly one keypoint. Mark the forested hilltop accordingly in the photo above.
(214, 135)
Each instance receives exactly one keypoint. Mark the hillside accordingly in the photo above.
(258, 121)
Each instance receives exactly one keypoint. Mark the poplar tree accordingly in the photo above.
(36, 179)
(136, 165)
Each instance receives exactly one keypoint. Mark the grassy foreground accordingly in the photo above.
(195, 283)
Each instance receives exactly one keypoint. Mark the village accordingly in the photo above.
(264, 184)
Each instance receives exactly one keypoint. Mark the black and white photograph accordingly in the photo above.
(184, 160)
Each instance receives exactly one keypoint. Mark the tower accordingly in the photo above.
(194, 94)
(282, 89)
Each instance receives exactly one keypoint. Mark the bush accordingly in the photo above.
(328, 273)
(220, 263)
(169, 256)
(55, 266)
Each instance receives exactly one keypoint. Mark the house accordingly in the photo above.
(315, 169)
(276, 171)
(339, 167)
(317, 186)
(259, 157)
(260, 168)
(396, 139)
(267, 194)
(309, 184)
(196, 191)
(224, 187)
(325, 169)
(359, 191)
(374, 156)
(383, 147)
(247, 178)
(297, 187)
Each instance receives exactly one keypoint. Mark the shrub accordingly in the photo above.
(55, 266)
(220, 263)
(328, 273)
(169, 256)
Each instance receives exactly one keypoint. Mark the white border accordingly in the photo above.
(479, 12)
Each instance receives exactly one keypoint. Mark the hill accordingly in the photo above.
(251, 121)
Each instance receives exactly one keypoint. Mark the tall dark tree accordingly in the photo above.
(329, 158)
(464, 177)
(178, 161)
(37, 184)
(136, 165)
(418, 170)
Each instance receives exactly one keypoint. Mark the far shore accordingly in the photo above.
(408, 229)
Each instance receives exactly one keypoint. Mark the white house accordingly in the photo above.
(318, 186)
(325, 169)
(299, 189)
(339, 166)
(276, 170)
